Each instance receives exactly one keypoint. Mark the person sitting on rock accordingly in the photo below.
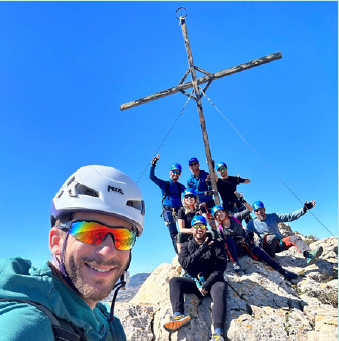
(191, 207)
(205, 262)
(271, 240)
(237, 243)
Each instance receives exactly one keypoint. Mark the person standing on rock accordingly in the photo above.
(171, 197)
(95, 219)
(265, 225)
(227, 186)
(199, 181)
(237, 243)
(205, 263)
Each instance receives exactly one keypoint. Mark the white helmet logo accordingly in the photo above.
(115, 189)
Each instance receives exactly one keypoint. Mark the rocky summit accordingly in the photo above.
(261, 304)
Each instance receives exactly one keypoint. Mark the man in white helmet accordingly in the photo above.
(95, 217)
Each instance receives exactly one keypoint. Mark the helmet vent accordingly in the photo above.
(137, 204)
(84, 190)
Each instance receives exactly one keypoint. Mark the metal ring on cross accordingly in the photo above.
(183, 12)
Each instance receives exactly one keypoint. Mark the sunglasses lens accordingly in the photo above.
(202, 226)
(94, 233)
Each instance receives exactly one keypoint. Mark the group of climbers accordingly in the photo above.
(199, 251)
(96, 218)
(198, 185)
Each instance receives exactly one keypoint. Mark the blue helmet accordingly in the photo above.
(258, 204)
(176, 166)
(190, 191)
(193, 159)
(221, 164)
(198, 219)
(217, 208)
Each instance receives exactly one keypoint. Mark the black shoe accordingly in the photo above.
(289, 275)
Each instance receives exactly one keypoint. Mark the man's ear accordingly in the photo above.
(55, 241)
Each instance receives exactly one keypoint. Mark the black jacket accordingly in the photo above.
(207, 259)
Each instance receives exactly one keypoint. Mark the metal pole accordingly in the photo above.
(199, 106)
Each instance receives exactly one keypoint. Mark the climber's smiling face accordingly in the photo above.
(260, 213)
(199, 232)
(93, 268)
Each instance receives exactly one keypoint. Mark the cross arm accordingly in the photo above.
(202, 80)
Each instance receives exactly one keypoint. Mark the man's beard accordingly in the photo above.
(91, 291)
(261, 217)
(200, 238)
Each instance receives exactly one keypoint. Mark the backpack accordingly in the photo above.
(62, 329)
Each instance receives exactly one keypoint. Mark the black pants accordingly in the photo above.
(185, 285)
(170, 222)
(236, 250)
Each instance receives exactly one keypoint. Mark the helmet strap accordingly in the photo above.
(118, 286)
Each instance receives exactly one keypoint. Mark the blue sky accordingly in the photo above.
(66, 67)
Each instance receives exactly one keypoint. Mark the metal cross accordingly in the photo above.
(195, 82)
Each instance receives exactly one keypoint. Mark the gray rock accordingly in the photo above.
(261, 304)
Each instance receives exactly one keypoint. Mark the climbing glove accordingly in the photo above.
(307, 206)
(154, 161)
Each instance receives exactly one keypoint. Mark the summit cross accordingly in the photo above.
(198, 93)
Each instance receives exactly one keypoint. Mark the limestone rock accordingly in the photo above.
(155, 289)
(261, 304)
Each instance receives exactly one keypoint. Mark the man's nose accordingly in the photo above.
(107, 247)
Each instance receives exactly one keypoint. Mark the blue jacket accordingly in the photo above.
(22, 321)
(200, 186)
(173, 197)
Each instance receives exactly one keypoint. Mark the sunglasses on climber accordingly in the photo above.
(92, 232)
(176, 172)
(193, 164)
(222, 169)
(199, 226)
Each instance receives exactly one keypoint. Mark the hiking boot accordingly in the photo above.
(312, 256)
(237, 268)
(289, 275)
(217, 337)
(177, 322)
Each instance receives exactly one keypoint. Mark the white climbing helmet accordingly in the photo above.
(100, 189)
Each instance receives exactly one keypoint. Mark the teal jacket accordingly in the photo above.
(21, 321)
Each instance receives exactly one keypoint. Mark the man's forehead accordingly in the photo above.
(102, 218)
